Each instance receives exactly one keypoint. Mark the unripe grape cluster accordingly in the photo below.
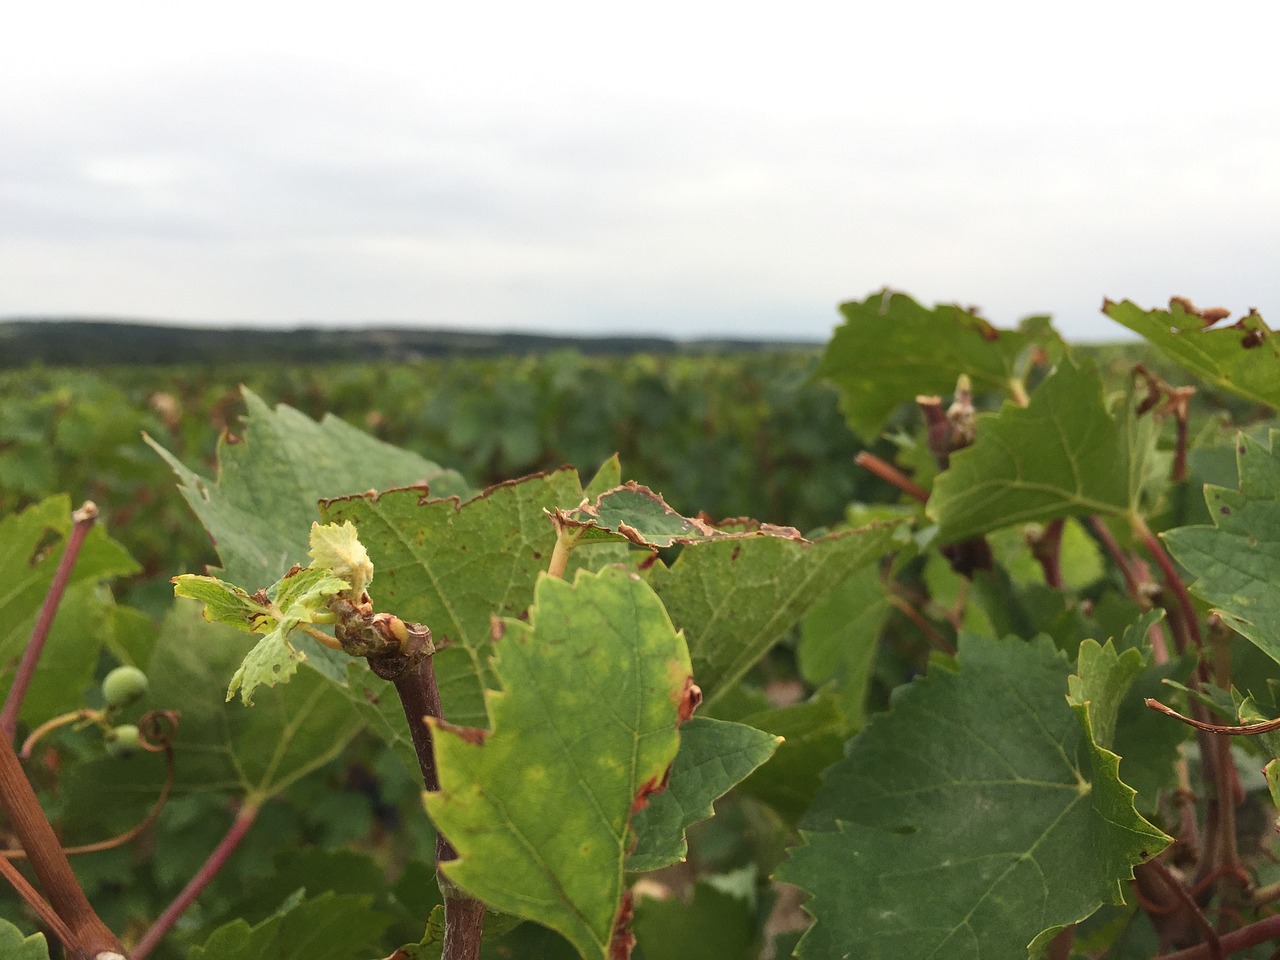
(123, 686)
(120, 688)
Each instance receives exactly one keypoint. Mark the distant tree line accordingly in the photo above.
(102, 342)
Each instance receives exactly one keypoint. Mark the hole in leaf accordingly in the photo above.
(49, 538)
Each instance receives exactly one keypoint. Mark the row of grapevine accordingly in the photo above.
(1013, 704)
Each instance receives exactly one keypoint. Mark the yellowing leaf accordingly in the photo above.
(337, 547)
(584, 727)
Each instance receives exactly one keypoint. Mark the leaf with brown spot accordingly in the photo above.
(735, 598)
(585, 721)
(632, 512)
(1242, 358)
(891, 349)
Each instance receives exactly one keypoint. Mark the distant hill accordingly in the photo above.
(79, 342)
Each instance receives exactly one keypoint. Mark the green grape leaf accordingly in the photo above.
(735, 598)
(632, 512)
(31, 544)
(293, 729)
(1145, 740)
(260, 510)
(1101, 680)
(1235, 561)
(890, 350)
(1240, 358)
(14, 946)
(296, 598)
(593, 688)
(327, 927)
(917, 853)
(839, 638)
(337, 548)
(1064, 454)
(453, 565)
(715, 755)
(226, 603)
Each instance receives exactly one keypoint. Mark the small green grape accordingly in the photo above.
(123, 686)
(123, 740)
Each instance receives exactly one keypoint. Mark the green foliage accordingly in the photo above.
(1100, 682)
(1064, 454)
(929, 801)
(1240, 358)
(891, 350)
(292, 730)
(14, 946)
(260, 510)
(585, 724)
(326, 927)
(1234, 560)
(31, 544)
(713, 924)
(714, 757)
(912, 849)
(838, 640)
(298, 597)
(735, 598)
(454, 565)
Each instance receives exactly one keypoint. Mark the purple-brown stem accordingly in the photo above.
(244, 819)
(938, 430)
(40, 907)
(1060, 946)
(1100, 527)
(414, 678)
(1188, 906)
(1133, 584)
(1181, 416)
(1047, 550)
(463, 927)
(924, 626)
(1242, 730)
(1186, 611)
(1242, 939)
(891, 474)
(83, 520)
(43, 849)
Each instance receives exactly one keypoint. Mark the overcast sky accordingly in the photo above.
(677, 168)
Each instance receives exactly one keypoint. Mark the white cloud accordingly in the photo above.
(679, 168)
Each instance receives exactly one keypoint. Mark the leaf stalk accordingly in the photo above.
(82, 522)
(244, 819)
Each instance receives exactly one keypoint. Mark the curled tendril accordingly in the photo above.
(156, 732)
(1242, 730)
(85, 717)
(157, 729)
